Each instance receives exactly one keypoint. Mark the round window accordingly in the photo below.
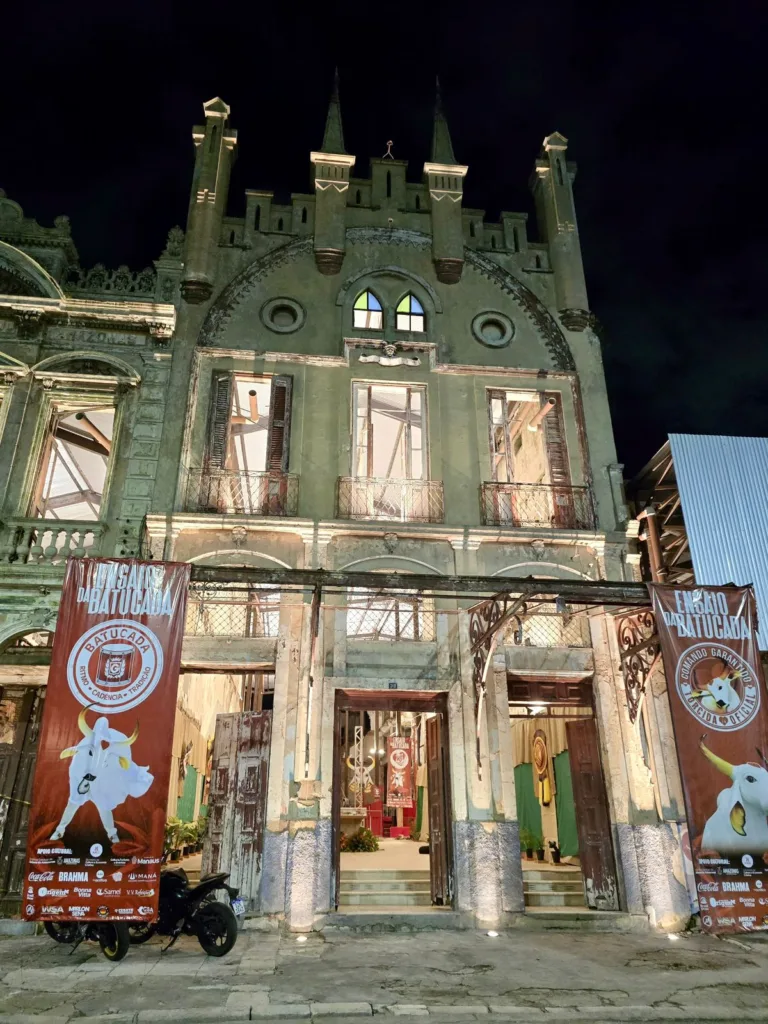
(493, 329)
(282, 315)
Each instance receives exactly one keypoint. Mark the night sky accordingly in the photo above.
(664, 108)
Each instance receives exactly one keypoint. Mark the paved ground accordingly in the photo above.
(520, 976)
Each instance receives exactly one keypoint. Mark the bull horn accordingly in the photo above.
(719, 763)
(85, 729)
(762, 757)
(134, 736)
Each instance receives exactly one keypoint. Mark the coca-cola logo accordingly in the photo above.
(41, 876)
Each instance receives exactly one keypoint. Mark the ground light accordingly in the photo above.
(673, 938)
(301, 938)
(492, 935)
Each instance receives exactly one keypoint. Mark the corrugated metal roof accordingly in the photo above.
(723, 484)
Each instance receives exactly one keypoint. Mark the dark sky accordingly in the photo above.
(664, 107)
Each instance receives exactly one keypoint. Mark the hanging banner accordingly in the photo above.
(718, 703)
(400, 772)
(97, 820)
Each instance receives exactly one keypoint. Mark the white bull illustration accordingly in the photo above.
(719, 694)
(102, 771)
(739, 824)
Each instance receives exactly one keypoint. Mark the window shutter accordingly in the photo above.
(221, 411)
(279, 438)
(557, 451)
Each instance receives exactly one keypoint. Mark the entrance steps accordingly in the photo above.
(553, 887)
(384, 889)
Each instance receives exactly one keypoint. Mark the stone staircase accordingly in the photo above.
(552, 886)
(384, 889)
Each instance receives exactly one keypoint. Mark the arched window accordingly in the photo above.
(410, 314)
(303, 215)
(368, 312)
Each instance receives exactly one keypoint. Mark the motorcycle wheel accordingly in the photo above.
(216, 929)
(61, 931)
(141, 932)
(114, 940)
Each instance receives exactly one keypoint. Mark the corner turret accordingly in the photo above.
(445, 181)
(331, 169)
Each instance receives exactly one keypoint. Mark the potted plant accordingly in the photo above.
(527, 842)
(171, 839)
(554, 849)
(362, 841)
(202, 830)
(539, 848)
(187, 837)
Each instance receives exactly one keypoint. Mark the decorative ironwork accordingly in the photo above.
(405, 501)
(546, 627)
(640, 652)
(561, 508)
(220, 611)
(240, 493)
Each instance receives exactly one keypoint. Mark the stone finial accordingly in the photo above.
(174, 246)
(333, 137)
(442, 147)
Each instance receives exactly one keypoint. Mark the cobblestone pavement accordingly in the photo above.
(530, 976)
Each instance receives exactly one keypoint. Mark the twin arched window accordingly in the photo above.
(368, 313)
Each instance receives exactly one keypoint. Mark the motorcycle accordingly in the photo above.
(112, 936)
(194, 910)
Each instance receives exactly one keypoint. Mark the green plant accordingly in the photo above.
(362, 841)
(202, 827)
(171, 837)
(528, 839)
(188, 833)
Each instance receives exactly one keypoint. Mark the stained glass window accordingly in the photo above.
(410, 314)
(368, 312)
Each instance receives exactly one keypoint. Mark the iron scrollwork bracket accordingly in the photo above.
(640, 652)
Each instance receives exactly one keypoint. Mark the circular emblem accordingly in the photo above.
(717, 686)
(115, 666)
(748, 860)
(103, 911)
(399, 758)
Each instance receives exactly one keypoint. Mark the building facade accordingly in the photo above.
(370, 378)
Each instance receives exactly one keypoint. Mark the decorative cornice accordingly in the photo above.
(32, 312)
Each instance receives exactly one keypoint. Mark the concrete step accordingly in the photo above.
(554, 899)
(553, 874)
(394, 876)
(585, 921)
(394, 919)
(386, 898)
(575, 886)
(391, 885)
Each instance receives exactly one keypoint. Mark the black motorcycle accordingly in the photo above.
(112, 936)
(194, 910)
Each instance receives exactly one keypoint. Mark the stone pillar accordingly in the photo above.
(647, 848)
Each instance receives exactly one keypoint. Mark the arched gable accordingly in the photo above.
(60, 361)
(21, 275)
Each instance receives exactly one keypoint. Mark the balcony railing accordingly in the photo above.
(404, 501)
(239, 493)
(49, 541)
(561, 508)
(549, 629)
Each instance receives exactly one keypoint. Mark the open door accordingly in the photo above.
(439, 816)
(592, 820)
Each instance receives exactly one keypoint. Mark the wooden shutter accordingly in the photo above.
(221, 411)
(557, 451)
(279, 438)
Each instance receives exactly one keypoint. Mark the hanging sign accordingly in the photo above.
(718, 703)
(97, 820)
(540, 758)
(400, 771)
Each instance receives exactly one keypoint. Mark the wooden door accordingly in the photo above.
(238, 800)
(440, 853)
(21, 711)
(592, 821)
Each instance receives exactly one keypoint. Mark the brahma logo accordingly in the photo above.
(41, 876)
(73, 876)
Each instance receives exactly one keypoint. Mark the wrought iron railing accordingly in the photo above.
(220, 612)
(49, 541)
(405, 501)
(561, 508)
(238, 493)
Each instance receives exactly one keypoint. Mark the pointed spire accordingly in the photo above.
(333, 139)
(442, 147)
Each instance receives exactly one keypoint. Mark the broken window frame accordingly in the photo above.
(221, 418)
(394, 615)
(364, 439)
(503, 435)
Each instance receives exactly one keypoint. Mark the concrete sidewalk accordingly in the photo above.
(519, 976)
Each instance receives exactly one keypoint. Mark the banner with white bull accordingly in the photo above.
(97, 820)
(720, 716)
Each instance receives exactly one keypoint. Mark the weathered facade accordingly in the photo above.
(368, 378)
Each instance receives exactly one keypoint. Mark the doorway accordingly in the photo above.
(562, 807)
(391, 802)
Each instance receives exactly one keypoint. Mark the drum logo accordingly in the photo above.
(115, 665)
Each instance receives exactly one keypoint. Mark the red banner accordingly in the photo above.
(97, 819)
(399, 772)
(718, 703)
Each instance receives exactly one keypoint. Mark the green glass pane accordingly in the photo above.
(360, 301)
(402, 306)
